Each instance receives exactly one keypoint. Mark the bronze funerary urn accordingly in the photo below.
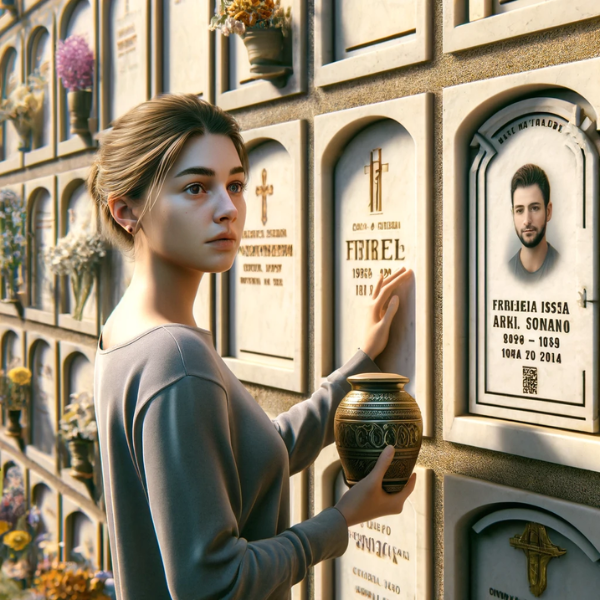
(376, 413)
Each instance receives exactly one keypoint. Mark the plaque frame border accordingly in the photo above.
(466, 106)
(529, 19)
(332, 131)
(264, 91)
(405, 52)
(292, 136)
(465, 496)
(326, 467)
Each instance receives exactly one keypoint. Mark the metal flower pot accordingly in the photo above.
(14, 423)
(264, 46)
(80, 105)
(378, 412)
(81, 467)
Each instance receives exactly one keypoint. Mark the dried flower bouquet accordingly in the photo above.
(235, 16)
(12, 248)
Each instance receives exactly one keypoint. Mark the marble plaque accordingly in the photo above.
(42, 229)
(262, 277)
(534, 266)
(203, 303)
(261, 300)
(128, 79)
(381, 556)
(375, 227)
(358, 27)
(186, 40)
(503, 542)
(43, 399)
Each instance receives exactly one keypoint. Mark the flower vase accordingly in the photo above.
(265, 53)
(82, 286)
(80, 105)
(23, 128)
(378, 412)
(14, 423)
(81, 467)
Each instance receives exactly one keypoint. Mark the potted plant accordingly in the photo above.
(22, 105)
(77, 255)
(75, 68)
(262, 25)
(15, 391)
(12, 245)
(78, 428)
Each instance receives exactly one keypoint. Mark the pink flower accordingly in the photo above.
(75, 63)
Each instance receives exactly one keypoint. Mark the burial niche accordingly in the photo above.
(82, 540)
(40, 57)
(43, 399)
(11, 351)
(534, 265)
(47, 503)
(262, 279)
(374, 234)
(42, 231)
(10, 78)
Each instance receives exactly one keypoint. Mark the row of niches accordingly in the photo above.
(494, 540)
(57, 525)
(519, 252)
(48, 413)
(352, 39)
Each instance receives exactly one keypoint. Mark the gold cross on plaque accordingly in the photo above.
(538, 548)
(264, 190)
(375, 170)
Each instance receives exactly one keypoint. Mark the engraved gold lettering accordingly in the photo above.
(267, 250)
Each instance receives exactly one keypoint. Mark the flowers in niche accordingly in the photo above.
(15, 387)
(75, 63)
(17, 540)
(79, 419)
(12, 240)
(235, 16)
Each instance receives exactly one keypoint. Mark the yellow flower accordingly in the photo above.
(4, 527)
(20, 375)
(17, 540)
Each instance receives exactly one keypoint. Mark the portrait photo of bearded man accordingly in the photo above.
(532, 211)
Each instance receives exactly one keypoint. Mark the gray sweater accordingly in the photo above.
(196, 476)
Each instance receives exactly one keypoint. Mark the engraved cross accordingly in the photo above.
(264, 190)
(539, 550)
(375, 170)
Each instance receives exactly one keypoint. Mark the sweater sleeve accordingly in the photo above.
(190, 475)
(308, 426)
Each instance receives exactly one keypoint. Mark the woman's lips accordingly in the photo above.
(223, 243)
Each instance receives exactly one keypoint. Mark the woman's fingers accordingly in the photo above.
(390, 286)
(397, 500)
(378, 287)
(382, 464)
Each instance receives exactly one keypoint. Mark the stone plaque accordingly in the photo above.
(524, 553)
(262, 279)
(534, 266)
(128, 56)
(185, 41)
(360, 26)
(381, 559)
(375, 224)
(43, 409)
(42, 288)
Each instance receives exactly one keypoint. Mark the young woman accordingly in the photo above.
(196, 476)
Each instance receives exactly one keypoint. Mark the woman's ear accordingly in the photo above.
(123, 212)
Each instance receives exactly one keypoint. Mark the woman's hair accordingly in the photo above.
(143, 145)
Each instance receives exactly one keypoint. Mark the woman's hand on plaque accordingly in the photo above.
(367, 500)
(384, 305)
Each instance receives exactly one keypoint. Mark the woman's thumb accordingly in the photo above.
(383, 462)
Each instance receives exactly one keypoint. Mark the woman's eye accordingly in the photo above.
(195, 189)
(236, 188)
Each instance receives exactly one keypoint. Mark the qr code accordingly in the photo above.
(530, 380)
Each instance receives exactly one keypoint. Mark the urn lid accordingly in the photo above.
(378, 378)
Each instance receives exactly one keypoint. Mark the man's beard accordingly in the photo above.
(535, 241)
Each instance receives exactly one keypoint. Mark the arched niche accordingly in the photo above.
(126, 83)
(41, 228)
(13, 504)
(76, 208)
(10, 73)
(81, 538)
(79, 375)
(76, 19)
(43, 399)
(39, 60)
(47, 502)
(12, 353)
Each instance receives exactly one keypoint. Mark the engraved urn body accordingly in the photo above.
(378, 412)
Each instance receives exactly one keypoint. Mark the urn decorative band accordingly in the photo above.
(376, 413)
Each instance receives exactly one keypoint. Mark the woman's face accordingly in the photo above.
(198, 218)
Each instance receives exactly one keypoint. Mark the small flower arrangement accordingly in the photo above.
(22, 106)
(15, 388)
(12, 247)
(75, 63)
(79, 420)
(77, 255)
(235, 16)
(73, 581)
